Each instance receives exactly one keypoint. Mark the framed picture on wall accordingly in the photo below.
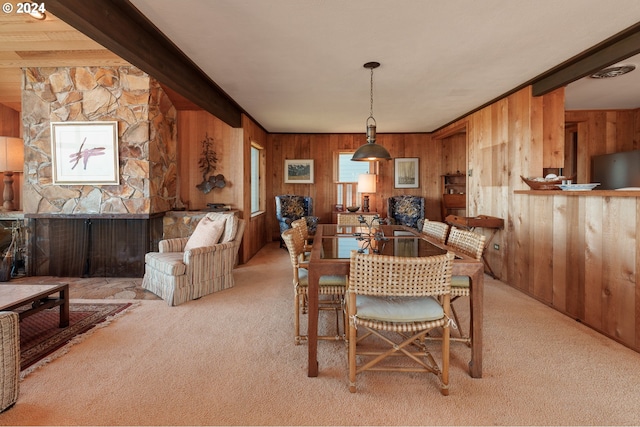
(406, 172)
(85, 153)
(298, 171)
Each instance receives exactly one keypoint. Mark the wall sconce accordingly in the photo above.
(11, 160)
(366, 184)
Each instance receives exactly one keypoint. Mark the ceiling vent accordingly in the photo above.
(608, 73)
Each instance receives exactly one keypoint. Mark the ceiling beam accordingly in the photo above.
(615, 49)
(120, 27)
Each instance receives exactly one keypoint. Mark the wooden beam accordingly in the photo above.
(120, 27)
(615, 49)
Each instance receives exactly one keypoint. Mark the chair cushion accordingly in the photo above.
(169, 263)
(303, 279)
(207, 233)
(460, 281)
(398, 309)
(230, 225)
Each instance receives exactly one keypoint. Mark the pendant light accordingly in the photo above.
(371, 151)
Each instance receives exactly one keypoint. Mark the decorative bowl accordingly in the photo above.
(578, 187)
(545, 184)
(353, 208)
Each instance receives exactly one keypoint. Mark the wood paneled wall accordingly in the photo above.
(10, 122)
(11, 125)
(579, 254)
(233, 150)
(193, 127)
(323, 147)
(603, 132)
(576, 253)
(256, 230)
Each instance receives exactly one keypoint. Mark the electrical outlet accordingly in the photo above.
(496, 246)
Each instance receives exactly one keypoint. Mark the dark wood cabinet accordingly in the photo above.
(454, 194)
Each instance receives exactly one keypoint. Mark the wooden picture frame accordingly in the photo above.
(298, 171)
(85, 153)
(406, 172)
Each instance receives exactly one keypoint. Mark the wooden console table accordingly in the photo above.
(482, 221)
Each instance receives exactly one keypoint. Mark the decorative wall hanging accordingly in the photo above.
(407, 173)
(85, 153)
(298, 171)
(207, 165)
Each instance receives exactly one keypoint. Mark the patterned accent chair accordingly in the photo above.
(188, 268)
(406, 210)
(290, 208)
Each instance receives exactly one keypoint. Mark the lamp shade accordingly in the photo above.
(11, 154)
(366, 183)
(371, 152)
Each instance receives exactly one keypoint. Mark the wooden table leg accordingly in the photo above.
(477, 317)
(64, 307)
(312, 342)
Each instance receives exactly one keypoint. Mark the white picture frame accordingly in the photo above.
(85, 153)
(298, 171)
(406, 172)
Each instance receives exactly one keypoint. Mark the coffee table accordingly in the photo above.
(40, 297)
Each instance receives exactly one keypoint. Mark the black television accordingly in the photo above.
(617, 170)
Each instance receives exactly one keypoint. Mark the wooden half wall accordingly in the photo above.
(576, 253)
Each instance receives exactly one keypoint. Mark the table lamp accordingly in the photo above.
(11, 160)
(366, 184)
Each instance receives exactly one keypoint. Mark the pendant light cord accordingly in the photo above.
(371, 94)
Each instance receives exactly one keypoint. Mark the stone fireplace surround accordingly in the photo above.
(91, 230)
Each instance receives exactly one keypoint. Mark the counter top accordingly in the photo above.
(596, 193)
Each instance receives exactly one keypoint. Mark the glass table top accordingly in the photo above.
(339, 241)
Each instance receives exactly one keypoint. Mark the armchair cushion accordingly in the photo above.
(170, 263)
(207, 233)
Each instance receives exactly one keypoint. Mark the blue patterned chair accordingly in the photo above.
(290, 208)
(406, 210)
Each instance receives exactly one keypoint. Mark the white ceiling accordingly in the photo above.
(297, 65)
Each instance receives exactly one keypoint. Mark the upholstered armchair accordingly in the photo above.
(290, 208)
(189, 268)
(406, 210)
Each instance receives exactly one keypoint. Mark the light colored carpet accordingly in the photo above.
(230, 359)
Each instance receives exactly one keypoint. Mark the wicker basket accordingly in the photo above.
(544, 185)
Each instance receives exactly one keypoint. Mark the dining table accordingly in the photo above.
(330, 255)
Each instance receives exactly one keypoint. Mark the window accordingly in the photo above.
(348, 171)
(256, 185)
(346, 175)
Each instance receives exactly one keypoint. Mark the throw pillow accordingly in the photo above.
(207, 233)
(231, 225)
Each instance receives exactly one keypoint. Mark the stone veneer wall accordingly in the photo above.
(147, 139)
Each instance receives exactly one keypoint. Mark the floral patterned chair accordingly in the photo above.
(290, 208)
(406, 210)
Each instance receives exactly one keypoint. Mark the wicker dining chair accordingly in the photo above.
(403, 298)
(302, 226)
(331, 287)
(350, 219)
(471, 244)
(436, 230)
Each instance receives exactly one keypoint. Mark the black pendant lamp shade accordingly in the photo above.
(371, 151)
